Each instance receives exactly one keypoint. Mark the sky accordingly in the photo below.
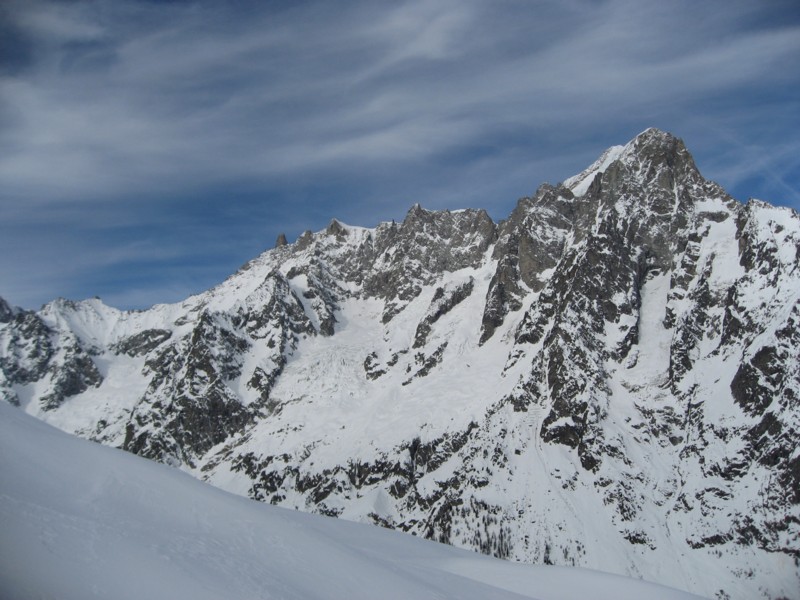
(148, 148)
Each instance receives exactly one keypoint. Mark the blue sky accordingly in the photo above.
(148, 149)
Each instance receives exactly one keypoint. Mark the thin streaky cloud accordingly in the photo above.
(163, 139)
(127, 111)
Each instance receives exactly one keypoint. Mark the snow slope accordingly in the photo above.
(82, 521)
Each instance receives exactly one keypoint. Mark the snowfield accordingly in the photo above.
(81, 521)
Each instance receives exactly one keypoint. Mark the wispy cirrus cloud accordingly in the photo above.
(119, 113)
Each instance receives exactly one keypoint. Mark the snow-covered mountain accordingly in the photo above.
(609, 378)
(83, 521)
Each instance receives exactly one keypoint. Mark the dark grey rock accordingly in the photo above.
(75, 375)
(142, 343)
(29, 349)
(444, 300)
(6, 312)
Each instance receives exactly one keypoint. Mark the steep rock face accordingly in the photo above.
(427, 244)
(187, 399)
(6, 312)
(529, 246)
(608, 378)
(32, 352)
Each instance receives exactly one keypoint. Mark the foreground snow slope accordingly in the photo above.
(80, 521)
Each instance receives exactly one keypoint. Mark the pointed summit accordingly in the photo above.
(6, 312)
(659, 146)
(651, 147)
(337, 230)
(653, 133)
(415, 212)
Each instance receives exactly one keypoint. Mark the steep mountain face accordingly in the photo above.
(609, 378)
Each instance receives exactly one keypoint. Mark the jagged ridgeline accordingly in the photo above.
(608, 378)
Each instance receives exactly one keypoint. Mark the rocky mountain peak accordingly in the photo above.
(6, 312)
(654, 137)
(337, 230)
(449, 225)
(659, 159)
(652, 158)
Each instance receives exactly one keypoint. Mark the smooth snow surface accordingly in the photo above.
(80, 520)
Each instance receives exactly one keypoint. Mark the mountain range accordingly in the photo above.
(608, 378)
